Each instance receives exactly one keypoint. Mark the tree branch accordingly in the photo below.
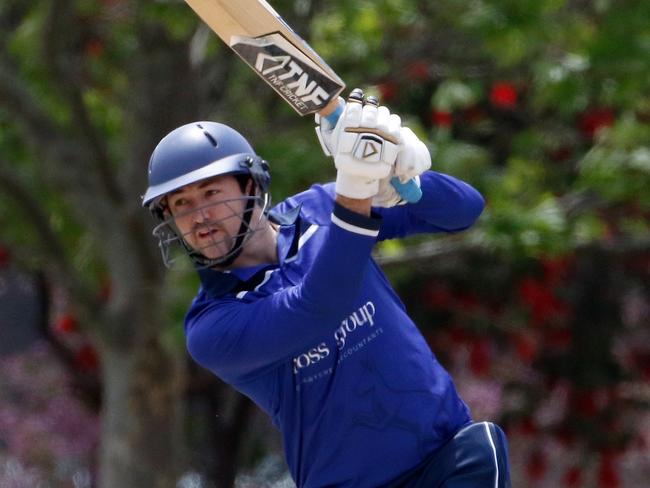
(10, 18)
(63, 63)
(52, 248)
(438, 248)
(78, 167)
(59, 152)
(17, 98)
(442, 250)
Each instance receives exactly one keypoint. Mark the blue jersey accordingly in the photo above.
(322, 343)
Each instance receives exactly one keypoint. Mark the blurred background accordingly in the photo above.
(541, 312)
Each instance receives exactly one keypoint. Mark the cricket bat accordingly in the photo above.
(259, 35)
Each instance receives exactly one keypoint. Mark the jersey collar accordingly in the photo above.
(219, 283)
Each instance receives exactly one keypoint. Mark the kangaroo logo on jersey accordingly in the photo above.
(291, 73)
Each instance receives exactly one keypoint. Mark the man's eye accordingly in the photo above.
(211, 192)
(180, 202)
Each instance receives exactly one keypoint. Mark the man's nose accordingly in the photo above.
(201, 215)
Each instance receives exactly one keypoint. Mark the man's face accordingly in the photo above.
(208, 214)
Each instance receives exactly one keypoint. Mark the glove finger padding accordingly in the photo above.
(369, 115)
(389, 124)
(365, 146)
(413, 158)
(351, 117)
(325, 128)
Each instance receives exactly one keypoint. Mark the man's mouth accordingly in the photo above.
(205, 233)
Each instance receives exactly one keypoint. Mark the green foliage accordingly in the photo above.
(618, 167)
(563, 61)
(543, 105)
(296, 162)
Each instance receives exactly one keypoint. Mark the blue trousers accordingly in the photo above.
(476, 457)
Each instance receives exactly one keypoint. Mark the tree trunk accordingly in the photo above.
(142, 428)
(596, 317)
(228, 437)
(143, 440)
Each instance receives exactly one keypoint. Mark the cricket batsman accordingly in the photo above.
(293, 312)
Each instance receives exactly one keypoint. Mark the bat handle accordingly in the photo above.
(409, 191)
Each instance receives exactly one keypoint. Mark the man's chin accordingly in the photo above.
(213, 252)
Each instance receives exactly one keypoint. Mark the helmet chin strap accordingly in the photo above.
(237, 246)
(200, 260)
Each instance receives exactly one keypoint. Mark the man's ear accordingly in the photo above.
(165, 211)
(249, 186)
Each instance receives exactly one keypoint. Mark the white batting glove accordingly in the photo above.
(365, 145)
(325, 128)
(387, 195)
(413, 159)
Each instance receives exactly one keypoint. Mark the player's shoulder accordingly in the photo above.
(316, 203)
(208, 319)
(204, 304)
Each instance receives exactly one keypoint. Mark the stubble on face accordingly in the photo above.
(208, 214)
(212, 237)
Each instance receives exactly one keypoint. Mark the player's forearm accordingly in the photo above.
(447, 202)
(344, 256)
(447, 205)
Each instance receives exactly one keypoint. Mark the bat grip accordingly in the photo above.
(409, 191)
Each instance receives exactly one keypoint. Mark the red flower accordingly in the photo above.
(586, 404)
(560, 154)
(591, 121)
(5, 256)
(565, 436)
(66, 323)
(573, 477)
(503, 95)
(94, 48)
(458, 335)
(442, 118)
(86, 359)
(642, 361)
(536, 466)
(590, 403)
(388, 90)
(418, 71)
(528, 427)
(473, 114)
(559, 339)
(526, 347)
(468, 303)
(556, 270)
(480, 357)
(438, 297)
(607, 471)
(541, 301)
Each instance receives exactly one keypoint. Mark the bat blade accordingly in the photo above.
(255, 31)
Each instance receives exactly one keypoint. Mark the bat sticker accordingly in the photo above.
(292, 74)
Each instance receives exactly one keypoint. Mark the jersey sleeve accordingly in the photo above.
(447, 205)
(233, 338)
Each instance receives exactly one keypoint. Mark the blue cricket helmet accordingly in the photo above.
(200, 150)
(195, 152)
